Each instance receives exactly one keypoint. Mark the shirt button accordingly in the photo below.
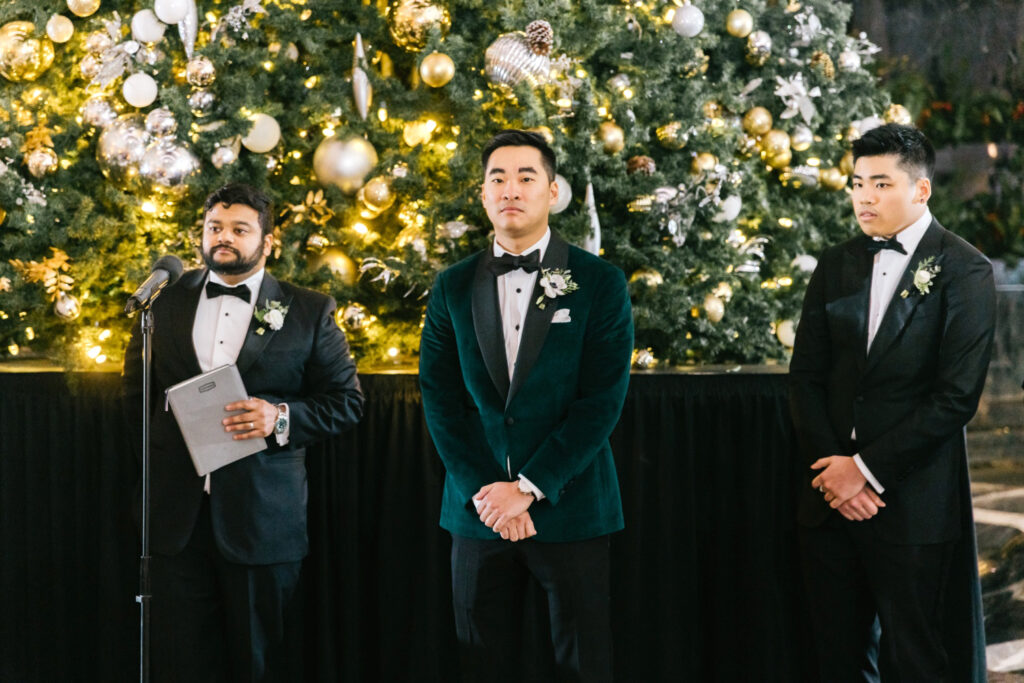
(518, 290)
(517, 328)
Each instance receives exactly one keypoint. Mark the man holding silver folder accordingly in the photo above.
(228, 547)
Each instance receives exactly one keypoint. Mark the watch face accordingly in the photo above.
(281, 425)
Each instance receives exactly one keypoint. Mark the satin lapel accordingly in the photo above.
(900, 307)
(254, 343)
(538, 321)
(856, 289)
(181, 319)
(487, 323)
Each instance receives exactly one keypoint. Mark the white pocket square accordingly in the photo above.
(561, 316)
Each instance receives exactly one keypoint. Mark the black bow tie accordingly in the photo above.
(876, 245)
(506, 263)
(213, 290)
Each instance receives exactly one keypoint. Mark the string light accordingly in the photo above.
(786, 222)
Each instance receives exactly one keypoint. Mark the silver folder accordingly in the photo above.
(198, 406)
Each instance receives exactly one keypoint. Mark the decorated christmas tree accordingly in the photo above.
(703, 148)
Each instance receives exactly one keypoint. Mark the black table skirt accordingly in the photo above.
(704, 578)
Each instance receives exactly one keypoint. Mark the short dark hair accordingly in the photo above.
(239, 193)
(915, 152)
(512, 137)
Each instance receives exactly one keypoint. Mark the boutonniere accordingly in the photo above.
(272, 316)
(556, 282)
(924, 276)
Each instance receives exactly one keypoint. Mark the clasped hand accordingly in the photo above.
(257, 420)
(503, 508)
(845, 488)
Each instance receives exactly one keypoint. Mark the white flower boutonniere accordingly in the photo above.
(272, 316)
(924, 276)
(555, 282)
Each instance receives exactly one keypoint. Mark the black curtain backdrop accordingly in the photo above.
(704, 578)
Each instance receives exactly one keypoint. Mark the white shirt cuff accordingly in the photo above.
(533, 489)
(867, 474)
(282, 439)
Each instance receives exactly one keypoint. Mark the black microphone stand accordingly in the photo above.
(144, 596)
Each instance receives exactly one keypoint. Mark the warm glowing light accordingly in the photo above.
(564, 102)
(306, 14)
(102, 358)
(478, 94)
(993, 150)
(785, 281)
(93, 352)
(268, 65)
(814, 161)
(580, 73)
(451, 146)
(65, 163)
(456, 130)
(13, 349)
(312, 81)
(296, 154)
(148, 207)
(30, 334)
(295, 180)
(602, 111)
(670, 13)
(211, 17)
(303, 133)
(360, 228)
(105, 335)
(393, 352)
(786, 222)
(382, 114)
(328, 132)
(628, 93)
(431, 125)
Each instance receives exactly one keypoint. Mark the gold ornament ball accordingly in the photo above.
(338, 262)
(612, 137)
(648, 276)
(354, 317)
(3, 215)
(672, 135)
(775, 141)
(67, 307)
(411, 21)
(545, 133)
(711, 109)
(846, 164)
(778, 160)
(897, 113)
(437, 69)
(83, 8)
(832, 178)
(703, 162)
(316, 242)
(376, 195)
(785, 332)
(757, 121)
(23, 57)
(852, 133)
(801, 138)
(714, 308)
(739, 23)
(40, 161)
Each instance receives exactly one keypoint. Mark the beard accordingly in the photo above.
(238, 266)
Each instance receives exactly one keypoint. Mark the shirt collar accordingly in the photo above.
(253, 282)
(911, 236)
(541, 244)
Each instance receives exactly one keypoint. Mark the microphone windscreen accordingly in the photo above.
(172, 264)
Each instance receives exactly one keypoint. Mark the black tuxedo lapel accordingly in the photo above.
(181, 318)
(487, 323)
(856, 290)
(900, 307)
(270, 290)
(538, 321)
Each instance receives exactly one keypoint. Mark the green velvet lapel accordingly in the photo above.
(487, 323)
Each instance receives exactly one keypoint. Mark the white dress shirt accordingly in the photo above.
(515, 290)
(219, 329)
(888, 268)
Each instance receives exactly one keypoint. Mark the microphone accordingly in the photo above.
(165, 272)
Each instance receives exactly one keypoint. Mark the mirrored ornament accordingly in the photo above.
(200, 72)
(98, 42)
(317, 242)
(161, 122)
(89, 66)
(67, 307)
(648, 276)
(40, 161)
(612, 137)
(264, 134)
(801, 138)
(759, 48)
(510, 60)
(355, 317)
(167, 166)
(644, 359)
(832, 178)
(120, 147)
(223, 156)
(410, 22)
(757, 121)
(188, 27)
(564, 194)
(98, 112)
(201, 102)
(688, 21)
(59, 28)
(376, 195)
(452, 230)
(672, 135)
(149, 55)
(338, 262)
(344, 164)
(23, 55)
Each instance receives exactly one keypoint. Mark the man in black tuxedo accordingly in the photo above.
(890, 360)
(524, 365)
(228, 547)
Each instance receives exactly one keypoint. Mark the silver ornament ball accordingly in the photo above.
(223, 156)
(67, 306)
(120, 149)
(355, 317)
(167, 166)
(200, 71)
(161, 122)
(40, 161)
(98, 41)
(202, 102)
(452, 230)
(98, 112)
(509, 60)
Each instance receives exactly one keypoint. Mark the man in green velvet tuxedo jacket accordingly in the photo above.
(524, 365)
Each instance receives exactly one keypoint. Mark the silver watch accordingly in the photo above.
(281, 423)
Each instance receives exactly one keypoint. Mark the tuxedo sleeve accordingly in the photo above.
(809, 370)
(331, 399)
(454, 426)
(964, 352)
(604, 378)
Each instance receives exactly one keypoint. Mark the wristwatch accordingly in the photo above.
(281, 423)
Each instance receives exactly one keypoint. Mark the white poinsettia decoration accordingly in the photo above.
(272, 316)
(555, 282)
(924, 276)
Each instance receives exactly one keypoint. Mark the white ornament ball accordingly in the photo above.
(67, 306)
(146, 28)
(139, 90)
(729, 209)
(688, 21)
(564, 194)
(849, 60)
(264, 134)
(805, 262)
(59, 28)
(785, 332)
(170, 11)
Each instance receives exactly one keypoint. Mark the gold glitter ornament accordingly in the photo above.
(897, 113)
(703, 162)
(23, 56)
(612, 137)
(672, 135)
(411, 21)
(757, 121)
